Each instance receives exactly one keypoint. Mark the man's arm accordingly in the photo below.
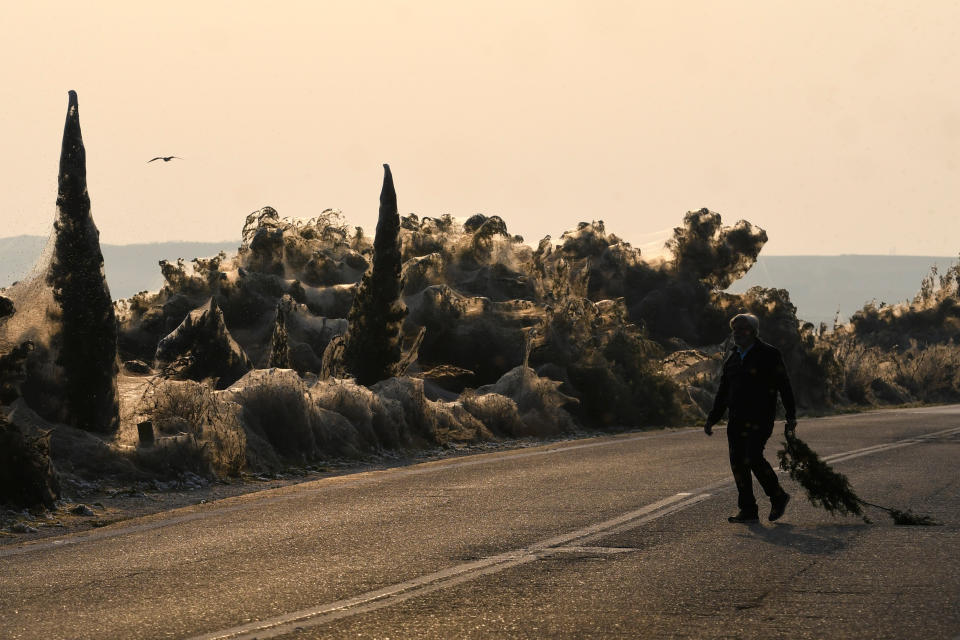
(719, 403)
(786, 394)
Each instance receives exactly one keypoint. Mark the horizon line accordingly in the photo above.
(238, 241)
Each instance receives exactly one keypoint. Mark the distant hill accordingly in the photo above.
(819, 285)
(129, 268)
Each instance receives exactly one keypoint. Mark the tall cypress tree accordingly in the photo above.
(373, 338)
(88, 336)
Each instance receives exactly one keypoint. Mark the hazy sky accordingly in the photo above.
(835, 126)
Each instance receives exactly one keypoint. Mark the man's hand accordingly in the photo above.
(790, 428)
(708, 428)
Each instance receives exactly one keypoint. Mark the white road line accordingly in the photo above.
(258, 632)
(599, 550)
(608, 524)
(390, 595)
(452, 576)
(937, 434)
(355, 479)
(869, 452)
(866, 451)
(632, 525)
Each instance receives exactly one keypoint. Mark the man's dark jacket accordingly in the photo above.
(748, 388)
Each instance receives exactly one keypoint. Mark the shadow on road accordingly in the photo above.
(821, 540)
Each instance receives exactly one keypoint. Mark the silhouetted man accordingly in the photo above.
(753, 375)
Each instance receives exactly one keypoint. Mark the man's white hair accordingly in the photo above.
(750, 319)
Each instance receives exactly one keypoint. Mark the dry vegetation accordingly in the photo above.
(517, 342)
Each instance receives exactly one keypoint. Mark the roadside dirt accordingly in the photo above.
(89, 504)
(92, 506)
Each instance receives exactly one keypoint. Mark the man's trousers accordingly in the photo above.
(746, 442)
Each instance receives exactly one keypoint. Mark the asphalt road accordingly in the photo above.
(622, 536)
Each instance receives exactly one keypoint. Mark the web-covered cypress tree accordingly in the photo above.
(373, 337)
(88, 337)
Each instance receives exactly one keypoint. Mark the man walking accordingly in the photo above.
(753, 375)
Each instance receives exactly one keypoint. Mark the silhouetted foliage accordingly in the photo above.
(619, 386)
(13, 371)
(373, 340)
(831, 490)
(908, 517)
(932, 317)
(202, 348)
(608, 321)
(27, 477)
(704, 250)
(824, 487)
(297, 293)
(6, 307)
(88, 338)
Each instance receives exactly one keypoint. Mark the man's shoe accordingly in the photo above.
(778, 505)
(744, 517)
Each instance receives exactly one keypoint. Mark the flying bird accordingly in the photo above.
(164, 158)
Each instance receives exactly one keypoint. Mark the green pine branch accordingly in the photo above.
(829, 489)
